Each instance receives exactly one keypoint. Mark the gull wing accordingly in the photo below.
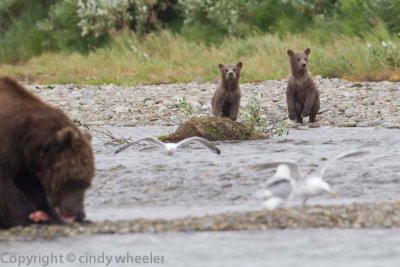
(292, 164)
(203, 141)
(353, 153)
(152, 140)
(281, 188)
(149, 147)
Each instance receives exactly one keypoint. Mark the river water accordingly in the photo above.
(194, 181)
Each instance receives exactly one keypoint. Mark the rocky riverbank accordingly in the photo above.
(366, 215)
(343, 103)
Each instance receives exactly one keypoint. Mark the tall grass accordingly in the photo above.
(169, 58)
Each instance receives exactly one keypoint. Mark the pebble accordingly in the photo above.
(349, 124)
(121, 109)
(364, 124)
(350, 112)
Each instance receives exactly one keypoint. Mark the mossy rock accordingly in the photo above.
(213, 129)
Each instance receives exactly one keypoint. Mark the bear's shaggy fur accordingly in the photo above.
(302, 95)
(226, 99)
(46, 163)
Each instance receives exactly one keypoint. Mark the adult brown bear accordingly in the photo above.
(46, 163)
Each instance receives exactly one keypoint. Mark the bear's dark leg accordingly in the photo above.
(291, 102)
(32, 188)
(299, 109)
(314, 110)
(217, 105)
(14, 206)
(227, 109)
(234, 110)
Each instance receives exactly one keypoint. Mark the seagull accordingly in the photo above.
(288, 180)
(280, 188)
(171, 148)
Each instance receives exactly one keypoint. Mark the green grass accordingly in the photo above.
(168, 58)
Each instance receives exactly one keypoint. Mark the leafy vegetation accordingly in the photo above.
(155, 41)
(184, 108)
(252, 114)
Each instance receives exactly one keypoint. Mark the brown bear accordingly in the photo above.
(226, 99)
(302, 95)
(46, 163)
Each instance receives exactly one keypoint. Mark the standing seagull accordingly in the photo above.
(288, 180)
(171, 148)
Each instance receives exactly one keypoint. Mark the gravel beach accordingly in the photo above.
(355, 216)
(343, 103)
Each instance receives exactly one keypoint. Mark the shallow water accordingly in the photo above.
(314, 247)
(136, 184)
(195, 181)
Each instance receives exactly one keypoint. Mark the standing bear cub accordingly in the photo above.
(302, 95)
(226, 99)
(46, 163)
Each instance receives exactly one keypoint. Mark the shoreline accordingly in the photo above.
(383, 215)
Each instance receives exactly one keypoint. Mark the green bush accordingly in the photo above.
(30, 27)
(20, 39)
(63, 32)
(388, 11)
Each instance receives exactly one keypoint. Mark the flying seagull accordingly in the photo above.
(171, 148)
(288, 180)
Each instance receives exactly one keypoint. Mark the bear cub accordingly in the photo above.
(226, 99)
(302, 95)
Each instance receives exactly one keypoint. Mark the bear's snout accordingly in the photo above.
(231, 74)
(304, 65)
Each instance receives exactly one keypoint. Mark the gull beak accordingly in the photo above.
(333, 194)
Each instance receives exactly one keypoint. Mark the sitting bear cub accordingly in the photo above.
(302, 95)
(226, 99)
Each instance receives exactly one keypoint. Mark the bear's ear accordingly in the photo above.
(239, 64)
(290, 52)
(220, 66)
(67, 135)
(307, 51)
(88, 136)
